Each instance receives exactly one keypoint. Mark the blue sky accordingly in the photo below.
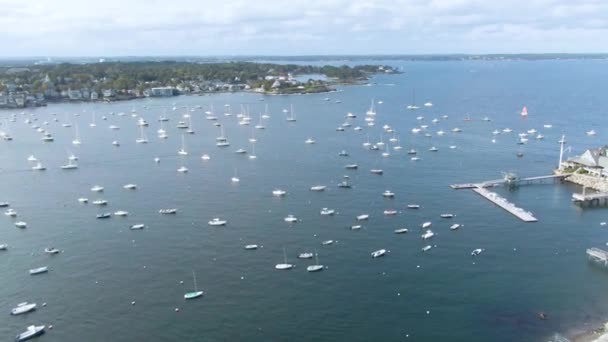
(300, 27)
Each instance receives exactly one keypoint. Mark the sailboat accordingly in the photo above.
(142, 137)
(221, 140)
(252, 155)
(372, 110)
(182, 151)
(93, 124)
(235, 178)
(292, 115)
(260, 125)
(317, 267)
(413, 105)
(190, 130)
(196, 293)
(252, 139)
(71, 165)
(284, 265)
(524, 111)
(76, 140)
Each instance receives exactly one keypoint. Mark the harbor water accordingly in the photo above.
(443, 294)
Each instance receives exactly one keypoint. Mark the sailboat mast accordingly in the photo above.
(194, 278)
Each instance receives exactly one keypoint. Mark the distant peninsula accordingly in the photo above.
(37, 85)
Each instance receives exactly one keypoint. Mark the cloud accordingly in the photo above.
(204, 27)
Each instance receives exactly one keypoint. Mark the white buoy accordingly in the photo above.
(133, 303)
(428, 312)
(43, 304)
(181, 281)
(176, 309)
(50, 326)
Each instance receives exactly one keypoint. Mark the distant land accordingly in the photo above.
(20, 61)
(37, 84)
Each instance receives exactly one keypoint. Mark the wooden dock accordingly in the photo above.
(480, 188)
(506, 205)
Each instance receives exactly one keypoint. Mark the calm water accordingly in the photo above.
(526, 268)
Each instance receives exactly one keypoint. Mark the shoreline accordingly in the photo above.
(329, 89)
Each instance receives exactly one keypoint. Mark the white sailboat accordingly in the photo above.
(142, 136)
(196, 293)
(93, 124)
(235, 178)
(317, 267)
(284, 265)
(252, 154)
(372, 110)
(182, 151)
(76, 140)
(292, 115)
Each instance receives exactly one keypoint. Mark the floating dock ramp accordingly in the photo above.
(493, 197)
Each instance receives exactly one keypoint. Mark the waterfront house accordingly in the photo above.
(74, 95)
(162, 91)
(593, 161)
(94, 96)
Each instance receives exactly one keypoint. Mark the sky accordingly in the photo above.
(300, 27)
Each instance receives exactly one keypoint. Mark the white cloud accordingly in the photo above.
(204, 27)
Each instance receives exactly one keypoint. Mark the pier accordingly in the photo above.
(511, 180)
(595, 198)
(598, 255)
(493, 197)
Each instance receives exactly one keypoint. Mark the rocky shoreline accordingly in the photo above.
(590, 182)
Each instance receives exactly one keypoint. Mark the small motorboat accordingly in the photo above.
(22, 308)
(343, 153)
(390, 212)
(362, 217)
(344, 185)
(476, 252)
(100, 202)
(327, 212)
(318, 188)
(401, 231)
(355, 227)
(167, 211)
(351, 166)
(447, 215)
(455, 226)
(429, 234)
(327, 242)
(130, 186)
(103, 215)
(413, 206)
(97, 188)
(251, 247)
(121, 213)
(137, 226)
(279, 192)
(31, 332)
(51, 250)
(310, 141)
(388, 194)
(4, 204)
(291, 219)
(426, 248)
(39, 270)
(426, 224)
(3, 247)
(306, 255)
(10, 212)
(378, 253)
(376, 171)
(21, 224)
(217, 222)
(83, 200)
